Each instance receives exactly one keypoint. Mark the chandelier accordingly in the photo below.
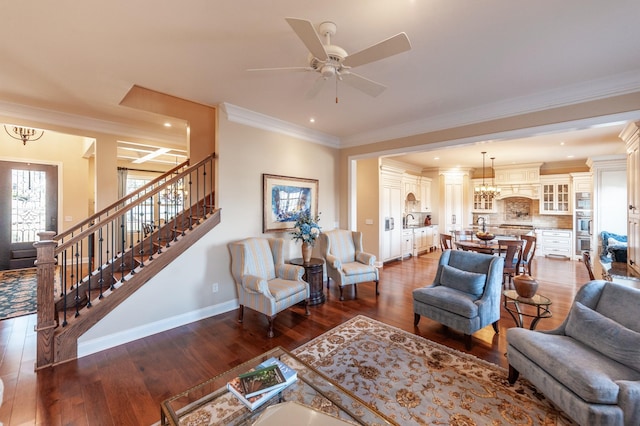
(487, 192)
(24, 134)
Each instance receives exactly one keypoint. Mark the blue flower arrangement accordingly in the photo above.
(306, 229)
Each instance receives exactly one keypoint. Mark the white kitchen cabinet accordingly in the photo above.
(411, 189)
(453, 205)
(631, 136)
(554, 242)
(425, 195)
(407, 242)
(517, 174)
(582, 182)
(391, 207)
(555, 194)
(480, 204)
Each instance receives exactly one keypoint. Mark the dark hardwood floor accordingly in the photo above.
(125, 385)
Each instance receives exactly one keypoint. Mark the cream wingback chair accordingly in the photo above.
(265, 283)
(346, 263)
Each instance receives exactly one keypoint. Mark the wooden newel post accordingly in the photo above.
(46, 321)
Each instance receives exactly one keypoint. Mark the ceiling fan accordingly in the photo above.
(330, 60)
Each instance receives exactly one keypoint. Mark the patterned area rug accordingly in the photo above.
(415, 381)
(18, 292)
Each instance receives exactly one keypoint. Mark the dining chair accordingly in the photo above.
(586, 259)
(528, 252)
(511, 250)
(446, 242)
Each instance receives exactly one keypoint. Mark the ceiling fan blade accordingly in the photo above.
(392, 46)
(315, 89)
(283, 69)
(309, 36)
(363, 84)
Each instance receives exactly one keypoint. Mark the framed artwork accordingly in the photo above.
(284, 199)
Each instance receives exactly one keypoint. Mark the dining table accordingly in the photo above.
(489, 247)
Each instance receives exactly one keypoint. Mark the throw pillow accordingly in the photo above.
(468, 282)
(613, 242)
(604, 335)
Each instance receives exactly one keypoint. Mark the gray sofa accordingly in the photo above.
(464, 295)
(590, 365)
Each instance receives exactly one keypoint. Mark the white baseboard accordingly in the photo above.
(96, 345)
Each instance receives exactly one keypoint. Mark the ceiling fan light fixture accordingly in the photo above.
(328, 71)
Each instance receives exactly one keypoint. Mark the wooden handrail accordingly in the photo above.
(121, 201)
(129, 206)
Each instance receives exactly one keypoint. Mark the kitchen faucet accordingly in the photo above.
(405, 219)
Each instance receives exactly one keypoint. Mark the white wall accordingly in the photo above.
(245, 153)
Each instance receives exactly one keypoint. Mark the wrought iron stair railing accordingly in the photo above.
(100, 255)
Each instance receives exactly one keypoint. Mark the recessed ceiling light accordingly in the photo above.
(570, 156)
(312, 120)
(436, 158)
(561, 143)
(167, 124)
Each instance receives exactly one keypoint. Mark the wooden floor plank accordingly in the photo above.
(125, 385)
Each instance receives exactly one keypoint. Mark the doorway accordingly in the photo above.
(28, 205)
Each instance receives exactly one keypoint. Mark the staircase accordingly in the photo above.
(88, 270)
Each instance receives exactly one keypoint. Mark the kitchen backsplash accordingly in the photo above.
(524, 211)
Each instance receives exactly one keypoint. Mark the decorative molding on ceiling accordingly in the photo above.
(250, 118)
(83, 123)
(620, 84)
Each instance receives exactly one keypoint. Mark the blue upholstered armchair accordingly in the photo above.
(264, 282)
(347, 263)
(465, 294)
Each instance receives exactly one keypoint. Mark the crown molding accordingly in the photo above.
(82, 123)
(620, 84)
(250, 118)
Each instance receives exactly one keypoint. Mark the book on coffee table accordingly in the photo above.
(244, 388)
(261, 380)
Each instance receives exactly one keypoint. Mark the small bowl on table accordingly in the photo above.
(485, 236)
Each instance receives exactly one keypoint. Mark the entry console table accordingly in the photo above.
(314, 275)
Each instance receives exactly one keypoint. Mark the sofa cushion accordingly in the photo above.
(616, 301)
(604, 335)
(465, 281)
(587, 372)
(448, 299)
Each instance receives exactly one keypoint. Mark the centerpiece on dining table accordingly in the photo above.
(484, 235)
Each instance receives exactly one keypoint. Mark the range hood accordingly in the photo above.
(525, 190)
(522, 180)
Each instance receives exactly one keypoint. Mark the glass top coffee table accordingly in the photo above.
(210, 403)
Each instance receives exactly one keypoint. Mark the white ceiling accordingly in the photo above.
(470, 61)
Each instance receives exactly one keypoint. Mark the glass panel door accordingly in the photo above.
(28, 205)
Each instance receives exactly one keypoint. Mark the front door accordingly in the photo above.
(28, 205)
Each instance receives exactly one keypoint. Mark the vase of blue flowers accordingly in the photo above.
(307, 230)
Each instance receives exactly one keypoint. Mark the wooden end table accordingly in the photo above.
(314, 275)
(514, 305)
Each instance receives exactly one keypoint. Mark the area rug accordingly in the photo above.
(407, 378)
(414, 381)
(18, 292)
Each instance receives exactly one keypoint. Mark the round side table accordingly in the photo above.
(514, 304)
(314, 275)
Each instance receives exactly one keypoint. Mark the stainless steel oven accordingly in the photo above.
(583, 244)
(583, 231)
(583, 201)
(583, 223)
